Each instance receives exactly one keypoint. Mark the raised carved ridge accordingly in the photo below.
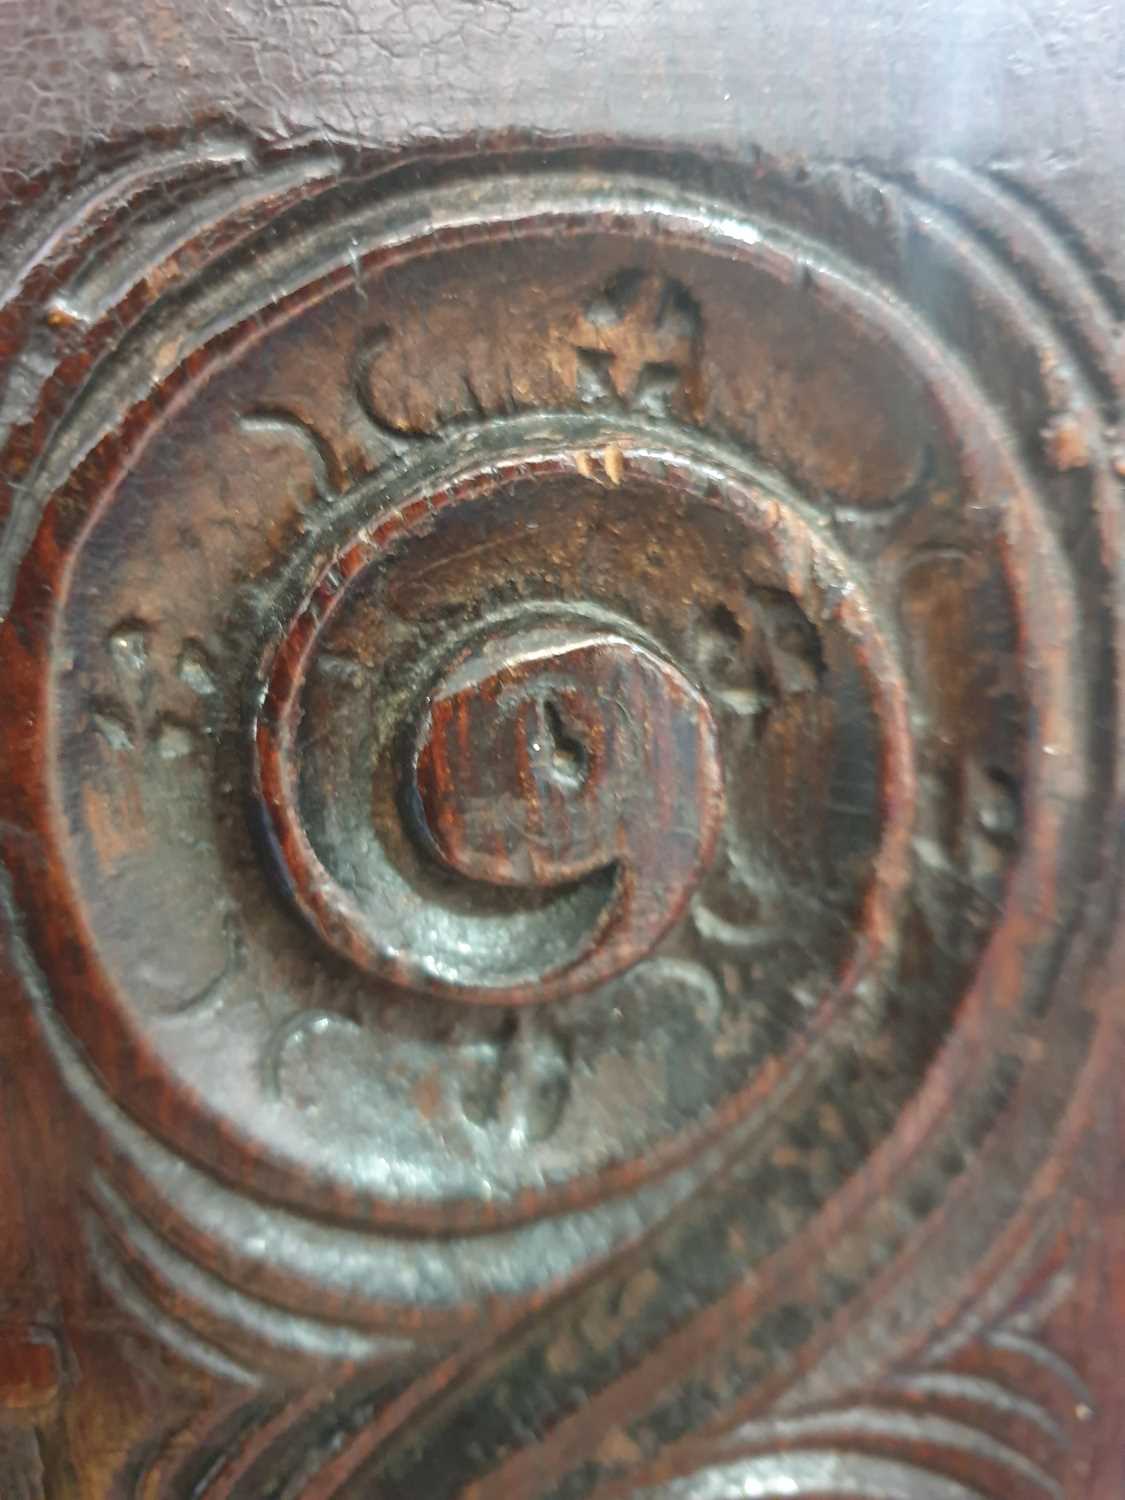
(872, 629)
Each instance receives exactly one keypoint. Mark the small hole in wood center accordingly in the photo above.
(568, 754)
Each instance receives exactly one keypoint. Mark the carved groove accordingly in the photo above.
(722, 719)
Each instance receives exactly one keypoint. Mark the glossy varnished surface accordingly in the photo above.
(560, 797)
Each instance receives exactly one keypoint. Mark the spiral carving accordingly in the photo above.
(552, 781)
(616, 772)
(542, 759)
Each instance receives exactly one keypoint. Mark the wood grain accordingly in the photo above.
(560, 797)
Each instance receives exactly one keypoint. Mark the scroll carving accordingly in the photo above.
(577, 737)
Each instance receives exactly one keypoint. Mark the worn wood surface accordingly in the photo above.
(560, 790)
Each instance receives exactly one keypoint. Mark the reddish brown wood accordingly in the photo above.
(557, 756)
(560, 790)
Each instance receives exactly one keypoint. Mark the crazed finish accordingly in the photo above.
(393, 70)
(821, 468)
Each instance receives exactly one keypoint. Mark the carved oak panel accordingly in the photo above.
(560, 803)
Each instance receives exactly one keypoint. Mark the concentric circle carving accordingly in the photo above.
(562, 693)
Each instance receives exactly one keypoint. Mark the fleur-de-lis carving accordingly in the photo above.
(516, 1085)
